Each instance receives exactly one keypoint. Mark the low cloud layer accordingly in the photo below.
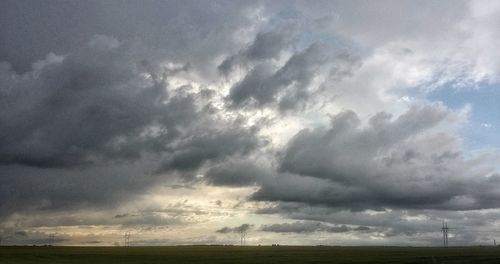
(309, 227)
(238, 229)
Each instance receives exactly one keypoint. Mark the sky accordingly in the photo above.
(300, 122)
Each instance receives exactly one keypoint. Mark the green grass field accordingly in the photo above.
(229, 254)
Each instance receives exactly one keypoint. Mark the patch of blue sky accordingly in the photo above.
(483, 127)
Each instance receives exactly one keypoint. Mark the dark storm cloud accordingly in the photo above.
(32, 29)
(323, 153)
(71, 112)
(404, 162)
(48, 218)
(225, 230)
(268, 45)
(22, 237)
(30, 188)
(289, 84)
(265, 46)
(21, 233)
(395, 219)
(238, 229)
(237, 173)
(70, 123)
(210, 146)
(87, 124)
(309, 227)
(97, 104)
(146, 220)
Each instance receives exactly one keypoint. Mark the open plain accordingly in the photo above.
(247, 255)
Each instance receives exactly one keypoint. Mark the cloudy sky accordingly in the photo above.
(304, 122)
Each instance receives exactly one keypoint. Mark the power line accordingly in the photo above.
(445, 234)
(445, 229)
(476, 231)
(463, 229)
(243, 234)
(127, 239)
(52, 239)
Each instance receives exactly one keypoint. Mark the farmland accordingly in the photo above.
(247, 255)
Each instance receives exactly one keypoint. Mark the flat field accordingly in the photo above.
(250, 254)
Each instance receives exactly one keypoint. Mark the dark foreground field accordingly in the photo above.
(228, 254)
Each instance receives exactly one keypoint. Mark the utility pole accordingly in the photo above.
(445, 234)
(51, 239)
(243, 234)
(127, 239)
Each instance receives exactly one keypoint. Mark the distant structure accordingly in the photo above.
(0, 240)
(243, 236)
(52, 239)
(127, 239)
(445, 234)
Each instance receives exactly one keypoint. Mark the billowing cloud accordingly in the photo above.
(406, 162)
(211, 145)
(290, 84)
(266, 46)
(96, 112)
(74, 110)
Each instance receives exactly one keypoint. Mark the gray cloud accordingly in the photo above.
(69, 121)
(237, 173)
(309, 227)
(183, 29)
(288, 85)
(138, 220)
(412, 227)
(265, 46)
(389, 163)
(22, 237)
(89, 105)
(72, 122)
(238, 229)
(225, 230)
(210, 146)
